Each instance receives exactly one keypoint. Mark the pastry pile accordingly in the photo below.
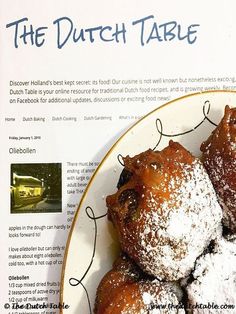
(174, 214)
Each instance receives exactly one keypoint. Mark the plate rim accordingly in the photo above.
(75, 218)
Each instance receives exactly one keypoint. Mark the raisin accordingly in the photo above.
(210, 248)
(124, 178)
(130, 197)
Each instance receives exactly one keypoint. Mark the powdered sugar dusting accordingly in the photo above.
(166, 302)
(215, 279)
(157, 298)
(127, 290)
(233, 145)
(179, 224)
(147, 298)
(176, 232)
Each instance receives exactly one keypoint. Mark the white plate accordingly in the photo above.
(91, 247)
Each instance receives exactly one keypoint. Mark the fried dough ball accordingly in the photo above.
(219, 158)
(166, 212)
(125, 289)
(214, 280)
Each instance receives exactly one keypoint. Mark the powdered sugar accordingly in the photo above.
(177, 231)
(179, 224)
(166, 302)
(147, 298)
(215, 279)
(157, 298)
(233, 145)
